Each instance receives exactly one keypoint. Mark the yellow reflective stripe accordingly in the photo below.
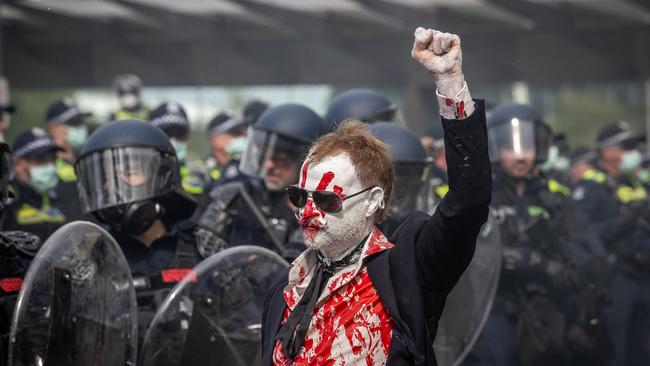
(538, 211)
(122, 114)
(442, 190)
(627, 194)
(594, 175)
(215, 174)
(29, 215)
(65, 171)
(555, 187)
(190, 187)
(185, 171)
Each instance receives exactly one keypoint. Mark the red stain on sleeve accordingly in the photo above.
(460, 110)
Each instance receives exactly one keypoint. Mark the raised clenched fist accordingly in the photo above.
(440, 53)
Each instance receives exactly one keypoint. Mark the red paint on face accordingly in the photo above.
(303, 180)
(309, 230)
(339, 190)
(325, 181)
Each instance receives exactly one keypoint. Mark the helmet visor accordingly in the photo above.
(519, 139)
(266, 148)
(122, 175)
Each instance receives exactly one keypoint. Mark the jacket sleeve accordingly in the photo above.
(447, 241)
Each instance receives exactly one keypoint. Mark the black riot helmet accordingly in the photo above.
(287, 130)
(411, 167)
(127, 174)
(366, 105)
(5, 169)
(519, 129)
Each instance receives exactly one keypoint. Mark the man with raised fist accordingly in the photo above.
(355, 297)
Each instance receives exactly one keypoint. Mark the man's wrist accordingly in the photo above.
(450, 84)
(456, 106)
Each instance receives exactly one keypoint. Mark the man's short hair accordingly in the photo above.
(370, 156)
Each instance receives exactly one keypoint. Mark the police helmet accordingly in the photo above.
(411, 167)
(520, 129)
(127, 162)
(405, 146)
(287, 129)
(363, 104)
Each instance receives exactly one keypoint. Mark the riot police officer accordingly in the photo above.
(545, 249)
(172, 119)
(128, 88)
(226, 135)
(43, 203)
(17, 248)
(128, 179)
(411, 173)
(611, 197)
(66, 124)
(256, 210)
(366, 105)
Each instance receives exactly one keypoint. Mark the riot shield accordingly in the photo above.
(214, 315)
(469, 303)
(77, 304)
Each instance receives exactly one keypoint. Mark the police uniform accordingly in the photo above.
(130, 209)
(231, 220)
(243, 210)
(619, 210)
(36, 212)
(547, 251)
(129, 86)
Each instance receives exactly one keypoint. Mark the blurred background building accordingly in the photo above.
(583, 63)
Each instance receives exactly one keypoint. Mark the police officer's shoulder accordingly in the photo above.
(24, 242)
(556, 187)
(227, 191)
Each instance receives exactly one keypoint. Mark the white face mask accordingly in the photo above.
(343, 229)
(181, 149)
(129, 100)
(630, 162)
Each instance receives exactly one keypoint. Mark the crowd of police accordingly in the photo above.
(574, 224)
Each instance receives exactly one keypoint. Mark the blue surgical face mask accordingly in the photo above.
(630, 162)
(236, 147)
(43, 178)
(181, 149)
(77, 135)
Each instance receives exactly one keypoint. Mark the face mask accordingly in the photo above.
(180, 148)
(630, 162)
(43, 178)
(129, 101)
(644, 176)
(77, 135)
(237, 147)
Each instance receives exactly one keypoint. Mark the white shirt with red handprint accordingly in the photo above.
(350, 325)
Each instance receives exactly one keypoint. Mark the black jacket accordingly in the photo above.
(414, 278)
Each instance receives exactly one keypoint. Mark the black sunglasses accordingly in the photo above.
(327, 201)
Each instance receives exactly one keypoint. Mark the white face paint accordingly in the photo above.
(336, 232)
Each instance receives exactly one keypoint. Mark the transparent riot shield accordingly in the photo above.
(470, 302)
(214, 315)
(77, 305)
